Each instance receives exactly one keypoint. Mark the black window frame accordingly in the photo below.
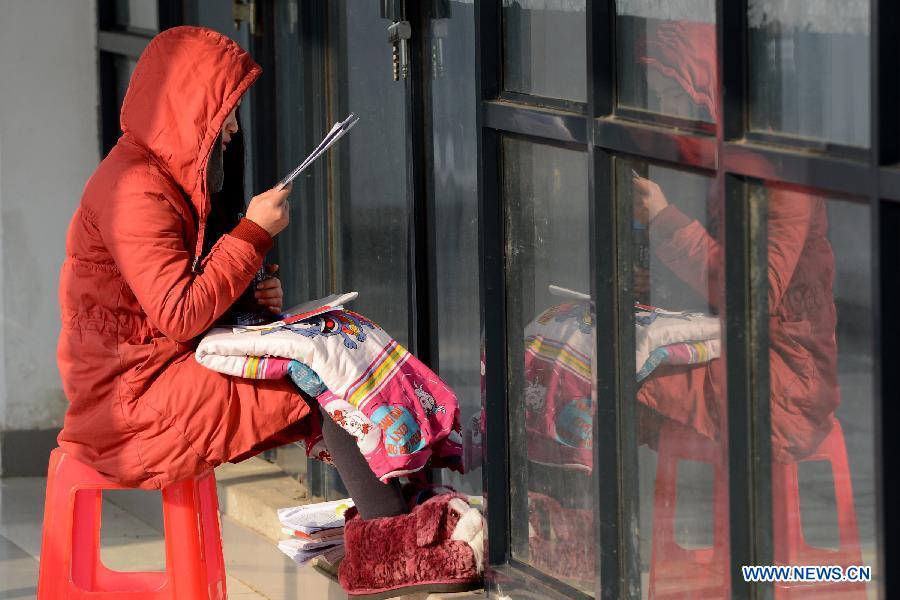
(603, 130)
(116, 42)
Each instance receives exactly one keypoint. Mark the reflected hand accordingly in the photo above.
(649, 200)
(269, 292)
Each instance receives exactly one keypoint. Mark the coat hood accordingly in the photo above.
(185, 84)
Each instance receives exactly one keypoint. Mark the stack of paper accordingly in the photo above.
(316, 530)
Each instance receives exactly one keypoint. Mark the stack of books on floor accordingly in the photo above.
(316, 530)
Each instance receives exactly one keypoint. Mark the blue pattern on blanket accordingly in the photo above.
(306, 379)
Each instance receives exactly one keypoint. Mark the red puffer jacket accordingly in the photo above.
(802, 320)
(142, 410)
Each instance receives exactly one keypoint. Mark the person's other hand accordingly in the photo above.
(270, 210)
(269, 293)
(649, 200)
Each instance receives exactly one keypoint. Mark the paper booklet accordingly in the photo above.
(302, 556)
(325, 536)
(313, 518)
(304, 310)
(337, 132)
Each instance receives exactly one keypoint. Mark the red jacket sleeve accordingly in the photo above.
(144, 233)
(686, 247)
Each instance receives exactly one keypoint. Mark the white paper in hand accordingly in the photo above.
(337, 132)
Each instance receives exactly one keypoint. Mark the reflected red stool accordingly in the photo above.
(677, 572)
(790, 545)
(70, 566)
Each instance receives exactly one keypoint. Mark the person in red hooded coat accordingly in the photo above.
(135, 292)
(801, 313)
(140, 284)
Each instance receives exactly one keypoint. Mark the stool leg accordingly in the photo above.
(184, 562)
(87, 510)
(56, 537)
(212, 537)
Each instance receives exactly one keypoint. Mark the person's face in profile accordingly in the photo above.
(230, 127)
(215, 168)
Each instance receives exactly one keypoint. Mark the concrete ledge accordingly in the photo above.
(251, 492)
(257, 562)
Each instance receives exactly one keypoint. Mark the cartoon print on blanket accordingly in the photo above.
(401, 414)
(558, 371)
(347, 324)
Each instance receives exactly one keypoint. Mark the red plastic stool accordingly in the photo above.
(789, 544)
(677, 572)
(71, 568)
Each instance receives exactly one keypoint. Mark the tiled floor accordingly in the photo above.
(128, 544)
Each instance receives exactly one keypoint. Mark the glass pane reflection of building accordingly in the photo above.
(666, 53)
(544, 48)
(809, 69)
(550, 345)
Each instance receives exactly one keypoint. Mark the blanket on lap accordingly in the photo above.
(400, 412)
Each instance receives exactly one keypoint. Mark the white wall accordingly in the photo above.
(48, 149)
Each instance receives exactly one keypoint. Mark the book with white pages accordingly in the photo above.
(304, 310)
(311, 518)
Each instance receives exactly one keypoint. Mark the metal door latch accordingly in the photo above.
(399, 34)
(244, 11)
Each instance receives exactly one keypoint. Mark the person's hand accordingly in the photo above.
(649, 200)
(269, 293)
(270, 210)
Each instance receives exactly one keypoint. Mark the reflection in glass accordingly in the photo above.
(677, 282)
(544, 47)
(666, 54)
(124, 67)
(820, 372)
(453, 102)
(137, 14)
(371, 219)
(550, 347)
(809, 69)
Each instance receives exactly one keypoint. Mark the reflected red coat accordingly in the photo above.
(802, 319)
(802, 316)
(142, 410)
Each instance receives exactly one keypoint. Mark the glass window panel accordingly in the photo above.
(453, 103)
(371, 222)
(550, 348)
(676, 248)
(544, 47)
(137, 14)
(809, 69)
(666, 53)
(124, 67)
(821, 377)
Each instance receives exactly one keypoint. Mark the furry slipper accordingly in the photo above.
(437, 548)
